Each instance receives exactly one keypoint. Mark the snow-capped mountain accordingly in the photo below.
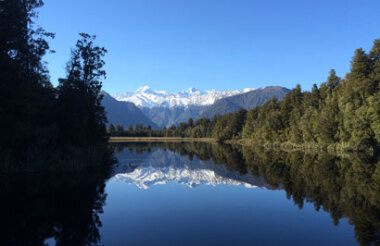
(161, 167)
(147, 97)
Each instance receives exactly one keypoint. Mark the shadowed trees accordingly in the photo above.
(81, 117)
(42, 124)
(26, 95)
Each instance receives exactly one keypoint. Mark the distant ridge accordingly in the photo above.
(124, 113)
(246, 101)
(164, 116)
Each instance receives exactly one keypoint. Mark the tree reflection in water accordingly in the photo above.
(62, 207)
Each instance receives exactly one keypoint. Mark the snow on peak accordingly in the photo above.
(147, 97)
(143, 89)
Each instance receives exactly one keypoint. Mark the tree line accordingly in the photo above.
(223, 127)
(341, 114)
(41, 123)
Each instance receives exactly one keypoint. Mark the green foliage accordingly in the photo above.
(342, 111)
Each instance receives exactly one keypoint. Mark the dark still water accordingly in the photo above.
(198, 194)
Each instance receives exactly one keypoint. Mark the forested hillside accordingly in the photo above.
(340, 114)
(344, 113)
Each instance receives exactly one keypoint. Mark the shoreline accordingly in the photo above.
(159, 139)
(288, 147)
(336, 148)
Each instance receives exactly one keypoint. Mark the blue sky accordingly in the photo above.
(214, 44)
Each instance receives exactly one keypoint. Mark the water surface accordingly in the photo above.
(198, 194)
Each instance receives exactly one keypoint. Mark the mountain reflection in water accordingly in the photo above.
(161, 166)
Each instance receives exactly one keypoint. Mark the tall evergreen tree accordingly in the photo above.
(81, 117)
(333, 80)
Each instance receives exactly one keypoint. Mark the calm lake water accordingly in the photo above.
(198, 194)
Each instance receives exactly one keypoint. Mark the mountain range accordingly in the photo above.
(150, 98)
(162, 109)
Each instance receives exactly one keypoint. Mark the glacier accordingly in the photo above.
(147, 97)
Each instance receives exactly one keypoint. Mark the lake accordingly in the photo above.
(198, 194)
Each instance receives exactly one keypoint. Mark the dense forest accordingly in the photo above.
(340, 114)
(44, 126)
(345, 186)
